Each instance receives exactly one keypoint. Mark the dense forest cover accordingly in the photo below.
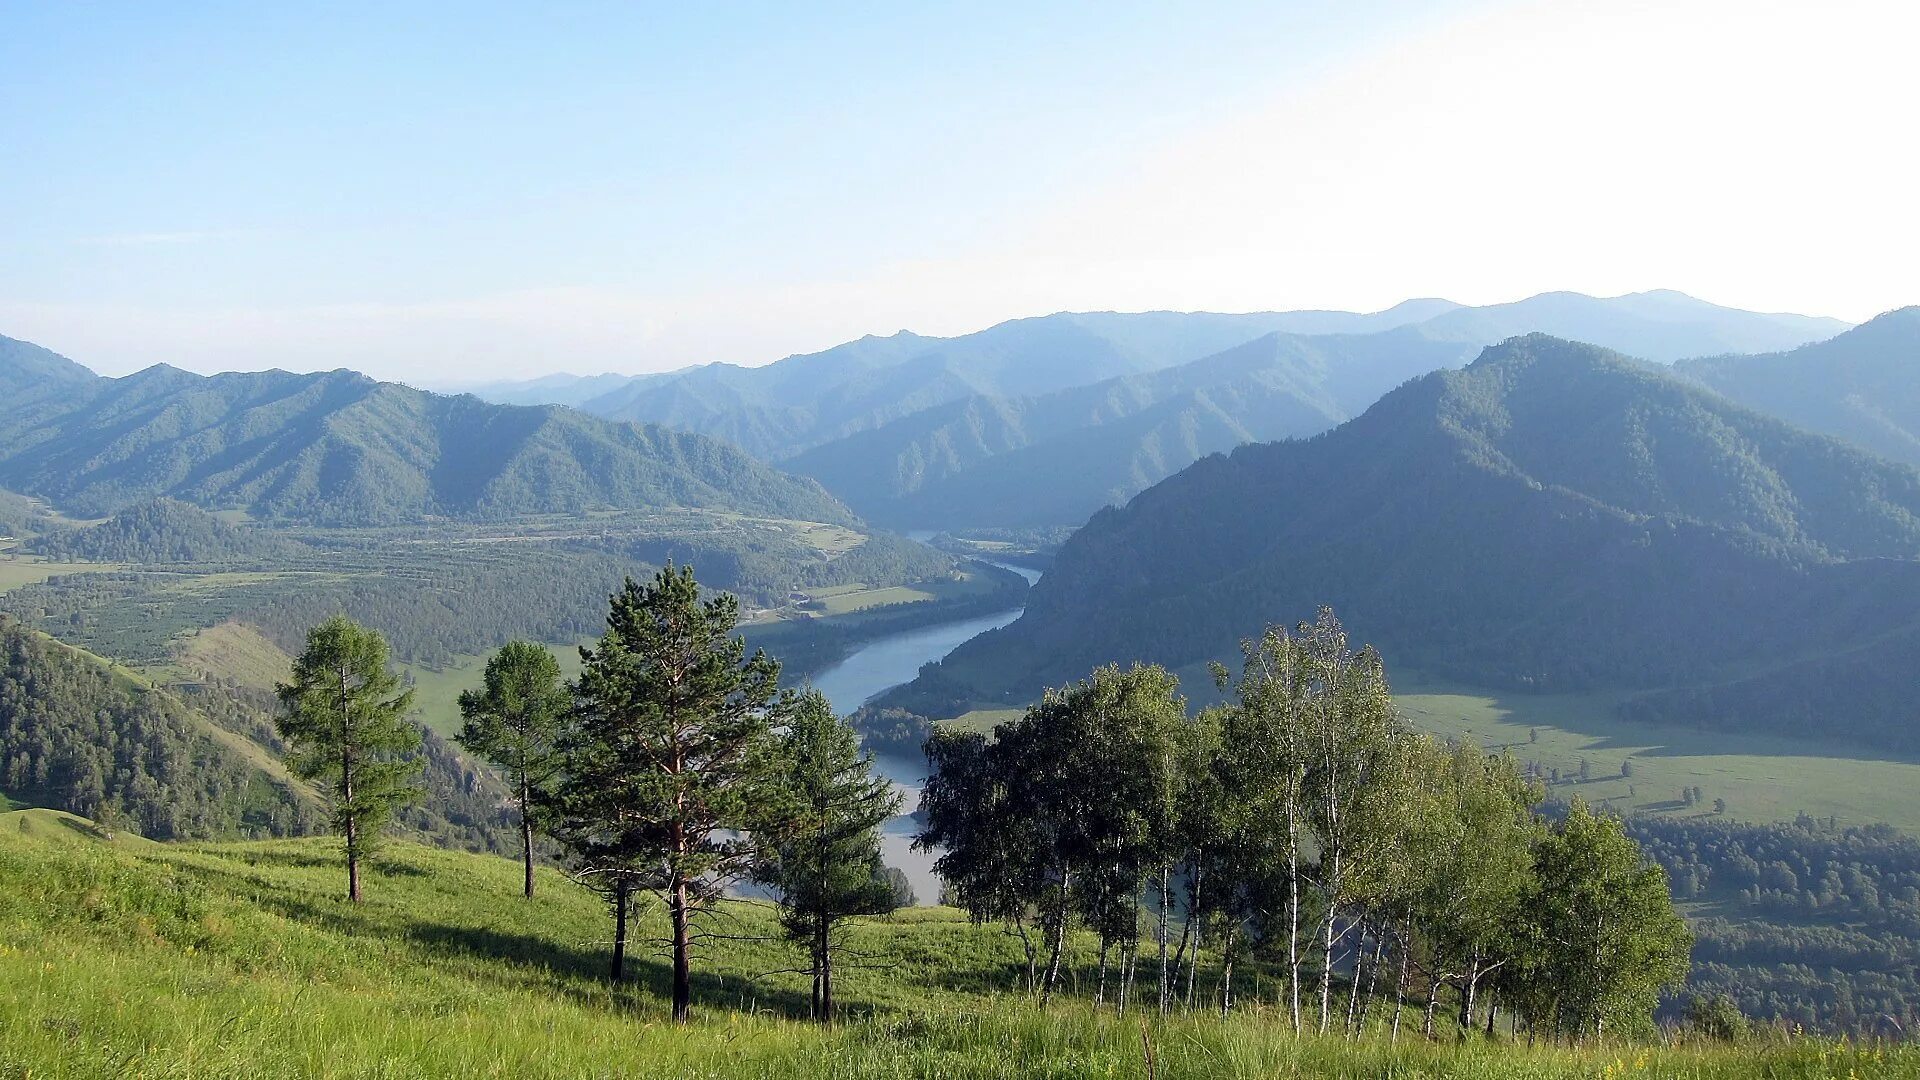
(165, 531)
(1858, 386)
(340, 448)
(1803, 923)
(1553, 517)
(78, 736)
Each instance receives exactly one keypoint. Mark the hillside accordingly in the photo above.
(338, 447)
(79, 736)
(1553, 517)
(1862, 386)
(801, 402)
(243, 960)
(1056, 458)
(165, 531)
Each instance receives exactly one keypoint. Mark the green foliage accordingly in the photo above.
(1716, 1017)
(345, 716)
(1519, 524)
(517, 721)
(340, 448)
(818, 831)
(674, 724)
(240, 960)
(1858, 386)
(77, 735)
(1600, 937)
(166, 531)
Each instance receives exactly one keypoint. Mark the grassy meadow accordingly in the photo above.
(239, 960)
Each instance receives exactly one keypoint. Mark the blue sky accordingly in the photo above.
(453, 192)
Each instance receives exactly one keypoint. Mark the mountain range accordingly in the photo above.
(1553, 517)
(1042, 421)
(338, 447)
(1863, 387)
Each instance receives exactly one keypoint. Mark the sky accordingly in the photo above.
(455, 193)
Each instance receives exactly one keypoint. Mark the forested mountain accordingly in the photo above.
(785, 408)
(339, 447)
(1553, 517)
(165, 531)
(1862, 386)
(1056, 458)
(77, 736)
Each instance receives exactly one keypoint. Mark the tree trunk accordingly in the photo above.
(1353, 987)
(682, 947)
(350, 818)
(1166, 898)
(1373, 980)
(526, 830)
(1059, 941)
(1226, 972)
(1129, 956)
(1100, 987)
(823, 962)
(1400, 983)
(1433, 1002)
(619, 929)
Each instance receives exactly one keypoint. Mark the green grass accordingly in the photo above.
(242, 960)
(436, 691)
(32, 570)
(236, 651)
(1762, 777)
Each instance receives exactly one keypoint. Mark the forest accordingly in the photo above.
(1301, 828)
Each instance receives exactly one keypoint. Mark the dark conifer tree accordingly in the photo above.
(345, 717)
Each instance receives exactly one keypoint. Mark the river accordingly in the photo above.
(881, 665)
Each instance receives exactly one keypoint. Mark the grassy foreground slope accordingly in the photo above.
(243, 960)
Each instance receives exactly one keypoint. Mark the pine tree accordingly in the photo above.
(673, 727)
(345, 717)
(516, 721)
(820, 838)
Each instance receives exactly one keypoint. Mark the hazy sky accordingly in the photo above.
(451, 193)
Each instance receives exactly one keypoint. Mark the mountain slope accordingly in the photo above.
(1862, 386)
(338, 447)
(789, 407)
(1056, 458)
(1552, 517)
(79, 736)
(165, 531)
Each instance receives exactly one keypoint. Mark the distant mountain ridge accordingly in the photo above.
(1862, 386)
(1062, 414)
(1552, 517)
(1056, 458)
(338, 447)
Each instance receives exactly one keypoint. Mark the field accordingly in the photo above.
(242, 960)
(1761, 777)
(30, 570)
(436, 691)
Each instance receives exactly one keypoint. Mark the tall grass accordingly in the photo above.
(242, 960)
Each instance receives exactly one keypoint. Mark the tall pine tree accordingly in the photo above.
(345, 717)
(516, 721)
(674, 724)
(821, 839)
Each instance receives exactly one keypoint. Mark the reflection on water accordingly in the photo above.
(881, 665)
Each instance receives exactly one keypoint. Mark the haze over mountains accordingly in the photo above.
(1042, 421)
(1553, 517)
(340, 448)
